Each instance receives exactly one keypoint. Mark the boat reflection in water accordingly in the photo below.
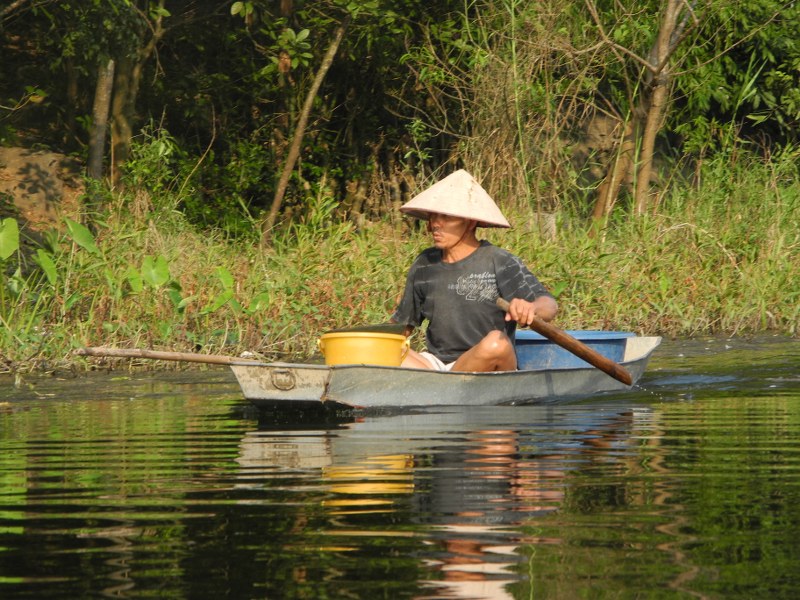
(471, 483)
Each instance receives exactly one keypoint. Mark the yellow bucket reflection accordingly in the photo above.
(383, 475)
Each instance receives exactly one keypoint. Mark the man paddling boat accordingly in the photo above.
(454, 284)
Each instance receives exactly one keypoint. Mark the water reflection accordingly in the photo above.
(159, 488)
(472, 479)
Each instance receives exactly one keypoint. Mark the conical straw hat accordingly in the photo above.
(457, 195)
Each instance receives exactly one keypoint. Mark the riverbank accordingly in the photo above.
(719, 259)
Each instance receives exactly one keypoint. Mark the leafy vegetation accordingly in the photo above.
(157, 282)
(654, 188)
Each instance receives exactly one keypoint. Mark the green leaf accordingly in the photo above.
(114, 283)
(134, 278)
(758, 118)
(82, 236)
(225, 278)
(186, 302)
(176, 298)
(9, 238)
(15, 283)
(158, 11)
(259, 303)
(218, 302)
(70, 302)
(558, 288)
(48, 266)
(155, 272)
(236, 306)
(665, 285)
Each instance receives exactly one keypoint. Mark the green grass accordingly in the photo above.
(719, 258)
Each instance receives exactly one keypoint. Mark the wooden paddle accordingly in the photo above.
(211, 359)
(576, 347)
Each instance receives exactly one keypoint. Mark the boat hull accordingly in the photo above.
(270, 385)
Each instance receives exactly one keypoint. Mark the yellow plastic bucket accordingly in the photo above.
(364, 348)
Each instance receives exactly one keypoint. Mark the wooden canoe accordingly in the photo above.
(298, 385)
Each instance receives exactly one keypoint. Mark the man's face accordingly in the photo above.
(448, 231)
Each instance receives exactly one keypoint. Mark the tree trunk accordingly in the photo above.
(122, 112)
(126, 89)
(73, 100)
(618, 172)
(654, 107)
(657, 104)
(655, 114)
(299, 132)
(102, 102)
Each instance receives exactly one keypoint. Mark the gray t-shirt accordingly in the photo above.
(458, 299)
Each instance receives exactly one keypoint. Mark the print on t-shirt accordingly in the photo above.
(478, 287)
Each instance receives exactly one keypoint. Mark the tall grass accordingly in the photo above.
(719, 258)
(723, 257)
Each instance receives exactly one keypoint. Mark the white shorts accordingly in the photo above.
(437, 364)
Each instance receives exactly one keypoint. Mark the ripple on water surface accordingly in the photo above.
(170, 487)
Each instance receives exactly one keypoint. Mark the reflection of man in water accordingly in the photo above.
(496, 477)
(466, 497)
(480, 497)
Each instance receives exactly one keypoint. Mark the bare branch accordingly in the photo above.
(619, 48)
(11, 8)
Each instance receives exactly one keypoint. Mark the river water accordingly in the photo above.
(170, 485)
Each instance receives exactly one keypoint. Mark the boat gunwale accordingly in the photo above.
(650, 343)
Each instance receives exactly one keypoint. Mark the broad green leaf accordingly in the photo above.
(15, 283)
(225, 278)
(81, 235)
(236, 306)
(558, 288)
(9, 238)
(134, 278)
(155, 272)
(48, 266)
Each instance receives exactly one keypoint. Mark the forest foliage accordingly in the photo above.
(545, 101)
(212, 127)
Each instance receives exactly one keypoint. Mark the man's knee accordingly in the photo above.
(497, 343)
